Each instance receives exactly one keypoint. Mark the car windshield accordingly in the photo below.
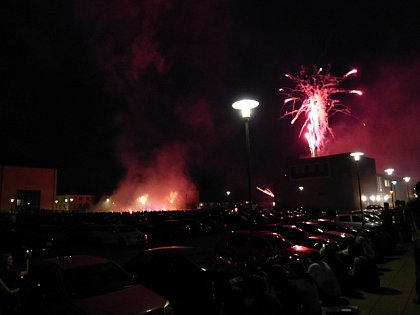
(278, 242)
(314, 228)
(95, 280)
(294, 232)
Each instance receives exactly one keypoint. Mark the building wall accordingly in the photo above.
(27, 188)
(325, 183)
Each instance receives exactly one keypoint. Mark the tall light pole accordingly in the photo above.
(228, 199)
(245, 107)
(394, 192)
(390, 171)
(407, 180)
(356, 156)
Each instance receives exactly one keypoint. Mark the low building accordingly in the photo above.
(327, 183)
(27, 188)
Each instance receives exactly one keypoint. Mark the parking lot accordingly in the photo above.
(396, 269)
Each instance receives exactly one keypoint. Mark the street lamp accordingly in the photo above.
(356, 156)
(394, 192)
(228, 199)
(407, 179)
(245, 107)
(390, 171)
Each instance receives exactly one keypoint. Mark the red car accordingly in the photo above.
(261, 248)
(90, 285)
(317, 229)
(299, 236)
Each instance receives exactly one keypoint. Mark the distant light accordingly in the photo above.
(301, 188)
(406, 179)
(12, 200)
(364, 198)
(394, 182)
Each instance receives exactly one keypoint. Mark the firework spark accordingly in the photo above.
(266, 191)
(172, 196)
(313, 98)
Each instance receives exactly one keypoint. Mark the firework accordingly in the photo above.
(313, 98)
(266, 191)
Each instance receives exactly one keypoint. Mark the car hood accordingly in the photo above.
(136, 300)
(319, 238)
(339, 233)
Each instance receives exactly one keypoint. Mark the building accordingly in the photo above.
(327, 183)
(78, 203)
(27, 188)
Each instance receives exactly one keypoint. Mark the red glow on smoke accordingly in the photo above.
(313, 98)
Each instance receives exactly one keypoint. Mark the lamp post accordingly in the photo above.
(390, 171)
(245, 107)
(356, 156)
(394, 192)
(407, 180)
(228, 199)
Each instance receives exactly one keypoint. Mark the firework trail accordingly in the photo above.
(313, 98)
(266, 191)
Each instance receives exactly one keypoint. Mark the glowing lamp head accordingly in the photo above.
(389, 171)
(356, 155)
(245, 106)
(406, 179)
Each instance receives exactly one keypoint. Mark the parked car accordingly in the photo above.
(171, 229)
(330, 224)
(87, 285)
(299, 236)
(195, 279)
(119, 234)
(355, 220)
(317, 229)
(261, 248)
(38, 238)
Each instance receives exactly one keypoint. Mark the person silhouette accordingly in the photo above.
(329, 287)
(10, 285)
(412, 217)
(306, 288)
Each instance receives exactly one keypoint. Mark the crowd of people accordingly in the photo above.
(333, 275)
(330, 279)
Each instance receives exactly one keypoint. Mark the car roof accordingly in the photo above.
(203, 257)
(74, 261)
(256, 231)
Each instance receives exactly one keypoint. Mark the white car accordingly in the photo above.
(119, 234)
(84, 284)
(355, 220)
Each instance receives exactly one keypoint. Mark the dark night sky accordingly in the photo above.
(116, 93)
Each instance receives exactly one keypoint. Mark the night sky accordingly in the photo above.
(138, 93)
